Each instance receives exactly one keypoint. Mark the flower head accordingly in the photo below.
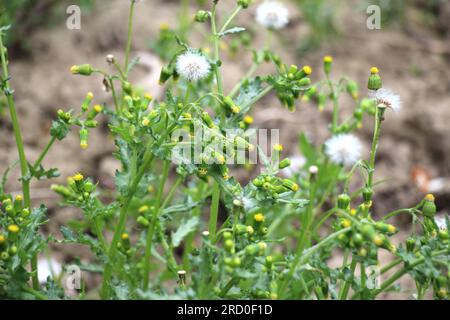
(343, 149)
(193, 66)
(387, 97)
(272, 15)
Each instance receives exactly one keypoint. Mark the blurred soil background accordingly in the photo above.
(412, 50)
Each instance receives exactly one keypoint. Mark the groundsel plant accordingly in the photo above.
(159, 234)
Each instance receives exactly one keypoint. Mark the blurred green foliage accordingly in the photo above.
(319, 15)
(26, 16)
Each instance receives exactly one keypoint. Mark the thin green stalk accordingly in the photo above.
(20, 149)
(214, 211)
(335, 119)
(151, 230)
(230, 19)
(344, 291)
(216, 49)
(376, 138)
(363, 279)
(129, 37)
(190, 238)
(44, 153)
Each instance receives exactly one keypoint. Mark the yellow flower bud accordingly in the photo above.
(259, 217)
(13, 228)
(248, 120)
(78, 177)
(307, 70)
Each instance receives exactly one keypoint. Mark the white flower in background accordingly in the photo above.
(387, 97)
(272, 15)
(297, 162)
(441, 223)
(48, 268)
(192, 66)
(344, 149)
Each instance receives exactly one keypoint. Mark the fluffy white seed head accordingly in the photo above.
(192, 66)
(387, 97)
(344, 149)
(272, 15)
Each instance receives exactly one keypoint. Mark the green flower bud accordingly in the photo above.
(343, 201)
(368, 231)
(291, 185)
(327, 63)
(410, 244)
(367, 194)
(165, 75)
(143, 221)
(352, 89)
(201, 16)
(82, 69)
(258, 182)
(229, 245)
(244, 3)
(207, 119)
(284, 163)
(429, 207)
(374, 82)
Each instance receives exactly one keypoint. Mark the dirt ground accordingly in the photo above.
(415, 140)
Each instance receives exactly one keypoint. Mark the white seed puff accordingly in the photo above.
(344, 149)
(272, 15)
(192, 66)
(387, 97)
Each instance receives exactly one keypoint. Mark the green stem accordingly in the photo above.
(307, 253)
(151, 230)
(216, 43)
(214, 211)
(344, 292)
(375, 141)
(44, 153)
(335, 120)
(129, 37)
(148, 159)
(363, 279)
(20, 149)
(35, 293)
(230, 19)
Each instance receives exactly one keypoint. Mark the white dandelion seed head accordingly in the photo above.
(192, 66)
(48, 268)
(440, 222)
(387, 97)
(272, 15)
(344, 149)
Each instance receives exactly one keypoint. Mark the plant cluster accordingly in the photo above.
(160, 235)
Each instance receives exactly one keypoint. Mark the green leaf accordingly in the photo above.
(232, 31)
(42, 174)
(185, 228)
(249, 90)
(68, 234)
(59, 129)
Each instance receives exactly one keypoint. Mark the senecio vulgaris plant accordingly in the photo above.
(160, 237)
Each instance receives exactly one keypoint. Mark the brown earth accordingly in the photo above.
(417, 136)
